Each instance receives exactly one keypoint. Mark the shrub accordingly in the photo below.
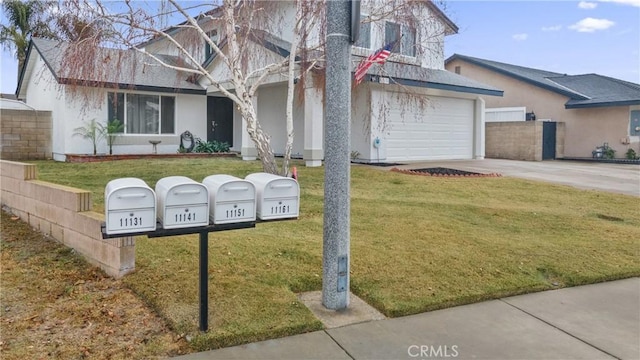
(210, 146)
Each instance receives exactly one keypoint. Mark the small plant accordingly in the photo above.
(355, 154)
(210, 146)
(111, 131)
(91, 131)
(631, 154)
(609, 153)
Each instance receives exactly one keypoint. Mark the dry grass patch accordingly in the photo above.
(56, 306)
(417, 243)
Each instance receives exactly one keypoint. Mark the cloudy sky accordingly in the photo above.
(573, 37)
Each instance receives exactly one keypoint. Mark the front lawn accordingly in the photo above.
(417, 244)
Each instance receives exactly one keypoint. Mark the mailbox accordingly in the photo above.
(232, 199)
(130, 205)
(182, 202)
(278, 196)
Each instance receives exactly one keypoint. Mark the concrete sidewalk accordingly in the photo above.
(600, 321)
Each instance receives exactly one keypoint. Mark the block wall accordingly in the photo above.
(64, 213)
(26, 134)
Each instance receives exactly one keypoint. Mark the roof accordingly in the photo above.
(452, 27)
(415, 75)
(11, 104)
(583, 91)
(136, 71)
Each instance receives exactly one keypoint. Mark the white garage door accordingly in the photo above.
(442, 129)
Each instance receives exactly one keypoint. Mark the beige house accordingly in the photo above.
(595, 109)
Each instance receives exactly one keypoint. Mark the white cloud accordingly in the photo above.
(587, 5)
(591, 25)
(552, 28)
(635, 3)
(520, 37)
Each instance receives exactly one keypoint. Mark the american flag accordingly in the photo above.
(379, 56)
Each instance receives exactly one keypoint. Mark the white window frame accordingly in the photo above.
(404, 49)
(125, 112)
(208, 50)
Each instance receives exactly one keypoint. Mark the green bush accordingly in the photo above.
(609, 153)
(210, 146)
(632, 155)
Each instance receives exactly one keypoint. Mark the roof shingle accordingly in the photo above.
(587, 90)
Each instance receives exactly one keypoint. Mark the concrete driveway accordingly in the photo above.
(617, 178)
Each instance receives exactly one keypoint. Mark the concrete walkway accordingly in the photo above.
(617, 178)
(600, 321)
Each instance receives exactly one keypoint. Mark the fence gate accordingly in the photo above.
(548, 141)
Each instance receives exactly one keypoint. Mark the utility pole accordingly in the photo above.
(337, 148)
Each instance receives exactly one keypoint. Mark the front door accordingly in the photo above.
(548, 141)
(220, 119)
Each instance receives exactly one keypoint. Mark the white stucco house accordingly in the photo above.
(410, 108)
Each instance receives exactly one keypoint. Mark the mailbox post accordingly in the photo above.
(228, 203)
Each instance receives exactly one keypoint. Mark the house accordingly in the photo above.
(595, 109)
(160, 103)
(410, 108)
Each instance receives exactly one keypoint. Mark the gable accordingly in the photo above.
(262, 54)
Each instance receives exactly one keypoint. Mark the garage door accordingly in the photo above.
(441, 130)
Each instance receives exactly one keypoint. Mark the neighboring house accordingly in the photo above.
(595, 108)
(410, 108)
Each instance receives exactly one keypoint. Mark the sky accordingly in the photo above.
(570, 37)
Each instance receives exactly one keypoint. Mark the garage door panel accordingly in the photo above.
(442, 130)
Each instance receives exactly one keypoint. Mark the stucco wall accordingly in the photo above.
(585, 128)
(272, 101)
(73, 109)
(519, 140)
(26, 134)
(64, 213)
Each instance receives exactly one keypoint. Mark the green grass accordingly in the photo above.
(417, 244)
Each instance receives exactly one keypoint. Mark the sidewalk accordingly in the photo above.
(600, 321)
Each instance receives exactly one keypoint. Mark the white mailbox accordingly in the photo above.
(232, 199)
(182, 202)
(130, 205)
(278, 196)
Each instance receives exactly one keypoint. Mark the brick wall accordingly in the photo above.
(519, 140)
(26, 134)
(63, 213)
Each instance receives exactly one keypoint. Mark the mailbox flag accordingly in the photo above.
(379, 56)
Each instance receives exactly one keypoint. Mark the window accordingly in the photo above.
(143, 114)
(208, 51)
(364, 38)
(458, 70)
(394, 31)
(634, 123)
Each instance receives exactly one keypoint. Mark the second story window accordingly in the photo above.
(208, 51)
(394, 31)
(364, 38)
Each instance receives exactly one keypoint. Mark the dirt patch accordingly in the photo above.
(55, 305)
(445, 172)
